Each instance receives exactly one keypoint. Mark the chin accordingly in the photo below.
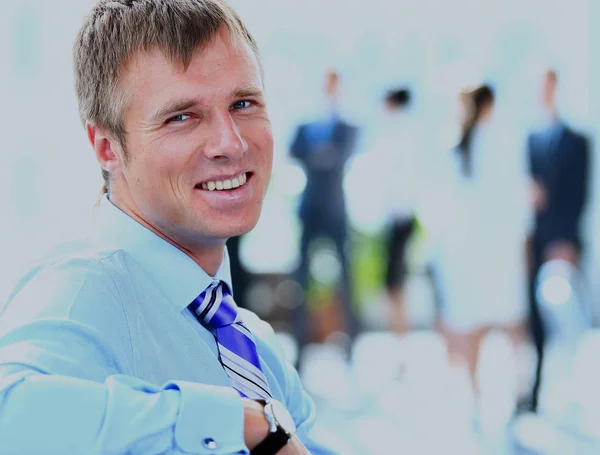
(235, 227)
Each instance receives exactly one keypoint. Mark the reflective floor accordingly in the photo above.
(400, 395)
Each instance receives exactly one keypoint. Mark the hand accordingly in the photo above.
(562, 250)
(256, 427)
(539, 196)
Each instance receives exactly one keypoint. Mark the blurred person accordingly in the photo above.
(130, 341)
(558, 165)
(240, 276)
(395, 151)
(481, 271)
(323, 148)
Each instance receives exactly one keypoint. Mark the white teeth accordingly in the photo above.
(228, 184)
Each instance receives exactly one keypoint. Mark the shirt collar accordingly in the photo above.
(172, 270)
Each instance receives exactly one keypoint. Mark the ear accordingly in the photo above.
(107, 148)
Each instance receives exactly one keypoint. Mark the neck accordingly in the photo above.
(208, 254)
(549, 117)
(552, 112)
(331, 108)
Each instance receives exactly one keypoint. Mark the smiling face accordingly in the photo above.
(199, 144)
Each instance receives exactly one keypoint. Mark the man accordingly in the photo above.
(322, 148)
(130, 342)
(558, 160)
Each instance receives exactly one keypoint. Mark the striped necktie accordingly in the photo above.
(215, 308)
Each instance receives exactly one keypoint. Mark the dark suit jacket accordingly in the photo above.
(324, 165)
(561, 166)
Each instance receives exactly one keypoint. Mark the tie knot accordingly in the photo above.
(215, 306)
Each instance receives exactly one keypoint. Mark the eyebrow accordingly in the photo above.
(250, 91)
(175, 106)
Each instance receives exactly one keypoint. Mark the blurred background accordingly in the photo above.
(426, 250)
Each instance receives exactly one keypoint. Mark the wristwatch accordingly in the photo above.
(281, 429)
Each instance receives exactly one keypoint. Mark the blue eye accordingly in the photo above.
(244, 104)
(179, 118)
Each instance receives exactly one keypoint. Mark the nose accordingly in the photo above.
(225, 140)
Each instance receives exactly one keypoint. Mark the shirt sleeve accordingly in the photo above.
(55, 414)
(62, 387)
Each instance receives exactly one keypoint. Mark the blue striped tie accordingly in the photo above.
(216, 308)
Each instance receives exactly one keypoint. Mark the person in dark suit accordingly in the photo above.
(240, 276)
(558, 160)
(323, 148)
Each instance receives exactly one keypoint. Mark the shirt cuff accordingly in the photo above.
(210, 419)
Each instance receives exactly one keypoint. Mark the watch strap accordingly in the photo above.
(272, 444)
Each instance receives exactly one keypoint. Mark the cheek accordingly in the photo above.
(262, 138)
(165, 160)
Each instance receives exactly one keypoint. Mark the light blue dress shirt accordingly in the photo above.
(100, 355)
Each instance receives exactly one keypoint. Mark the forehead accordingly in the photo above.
(217, 69)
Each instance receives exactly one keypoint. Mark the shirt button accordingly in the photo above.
(210, 444)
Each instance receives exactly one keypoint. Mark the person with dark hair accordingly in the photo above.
(395, 145)
(478, 105)
(397, 98)
(558, 166)
(481, 272)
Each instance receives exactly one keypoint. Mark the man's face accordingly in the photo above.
(199, 143)
(332, 86)
(548, 90)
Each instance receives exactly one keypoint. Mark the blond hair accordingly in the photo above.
(115, 30)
